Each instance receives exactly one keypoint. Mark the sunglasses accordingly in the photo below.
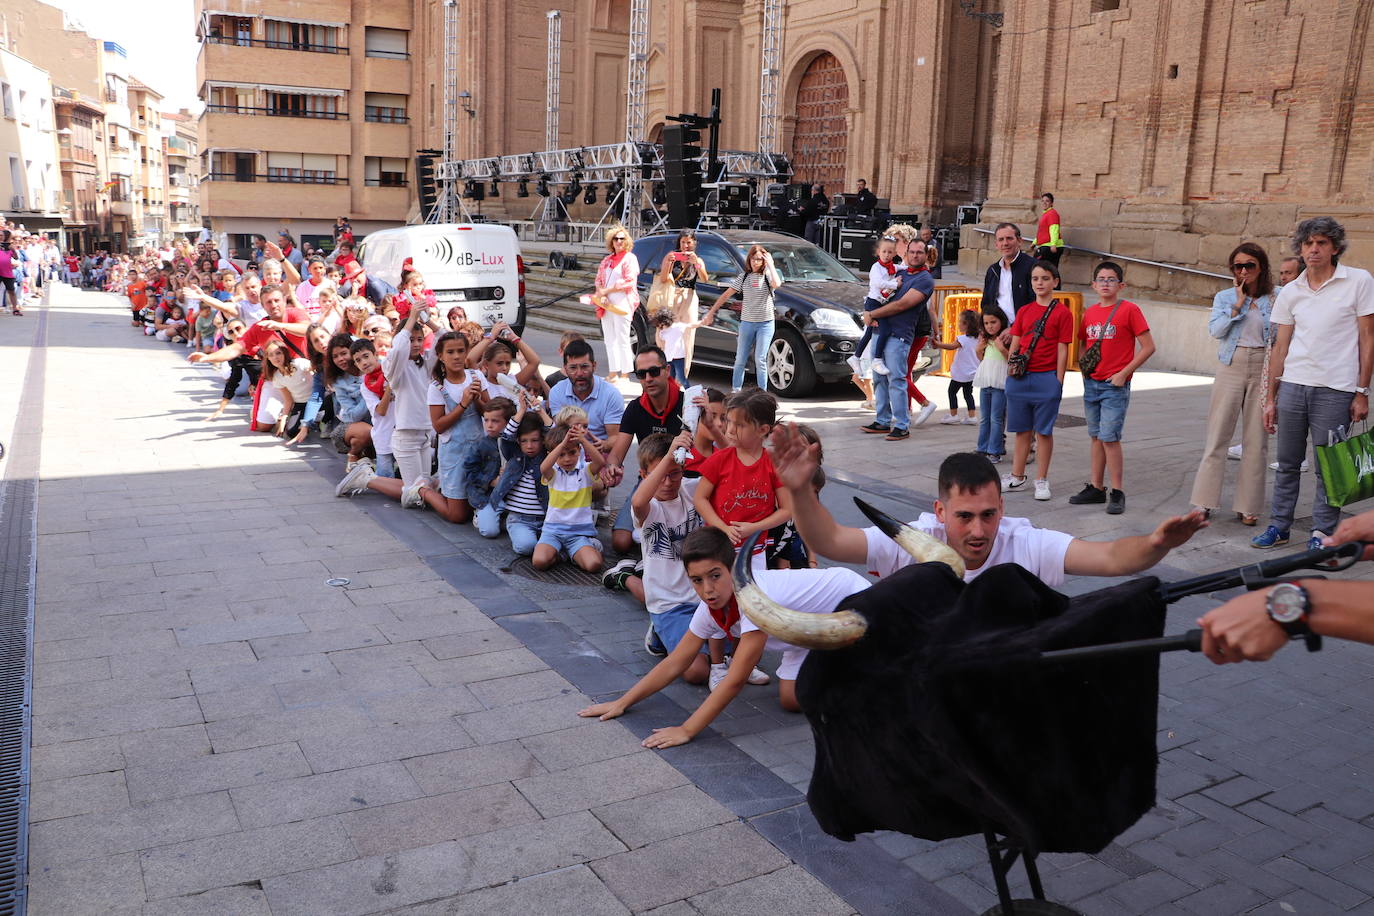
(372, 330)
(1109, 281)
(1244, 265)
(651, 372)
(621, 238)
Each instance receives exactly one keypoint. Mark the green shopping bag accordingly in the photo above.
(1347, 467)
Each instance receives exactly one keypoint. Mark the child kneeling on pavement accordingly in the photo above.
(707, 556)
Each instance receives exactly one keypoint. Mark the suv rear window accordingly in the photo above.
(649, 252)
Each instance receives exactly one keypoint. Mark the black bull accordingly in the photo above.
(940, 722)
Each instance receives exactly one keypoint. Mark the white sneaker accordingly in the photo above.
(410, 496)
(924, 413)
(717, 675)
(853, 362)
(1042, 489)
(363, 460)
(950, 419)
(355, 481)
(758, 677)
(1274, 465)
(880, 367)
(1233, 453)
(1010, 483)
(969, 421)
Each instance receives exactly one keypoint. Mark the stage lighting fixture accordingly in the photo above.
(522, 188)
(575, 188)
(469, 189)
(590, 196)
(660, 195)
(495, 189)
(541, 187)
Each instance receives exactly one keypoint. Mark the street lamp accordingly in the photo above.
(465, 98)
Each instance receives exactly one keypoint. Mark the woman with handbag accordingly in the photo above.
(675, 289)
(616, 297)
(1040, 338)
(1240, 323)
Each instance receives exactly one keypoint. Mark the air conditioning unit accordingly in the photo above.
(17, 202)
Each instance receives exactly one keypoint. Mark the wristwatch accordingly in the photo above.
(1362, 390)
(1287, 605)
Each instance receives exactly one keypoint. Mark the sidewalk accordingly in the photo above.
(218, 730)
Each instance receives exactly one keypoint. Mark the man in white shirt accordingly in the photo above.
(969, 518)
(1318, 371)
(1007, 281)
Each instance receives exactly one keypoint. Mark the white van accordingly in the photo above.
(475, 265)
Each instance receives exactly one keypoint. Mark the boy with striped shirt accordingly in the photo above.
(569, 524)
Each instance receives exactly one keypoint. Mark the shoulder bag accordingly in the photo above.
(1018, 364)
(1089, 358)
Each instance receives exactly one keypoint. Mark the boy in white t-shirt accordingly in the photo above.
(707, 556)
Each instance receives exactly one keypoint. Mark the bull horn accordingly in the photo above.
(797, 628)
(922, 547)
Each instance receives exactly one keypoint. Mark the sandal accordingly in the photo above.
(1206, 513)
(1244, 519)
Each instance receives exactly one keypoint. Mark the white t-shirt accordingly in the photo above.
(812, 591)
(455, 391)
(672, 336)
(250, 312)
(409, 382)
(881, 283)
(965, 365)
(1004, 300)
(1039, 551)
(382, 426)
(299, 382)
(1325, 350)
(661, 532)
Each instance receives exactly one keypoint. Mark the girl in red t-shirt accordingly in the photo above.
(1033, 399)
(739, 492)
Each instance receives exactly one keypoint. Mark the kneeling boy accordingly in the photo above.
(707, 556)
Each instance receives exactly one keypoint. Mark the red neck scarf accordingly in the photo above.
(727, 617)
(375, 382)
(890, 265)
(674, 393)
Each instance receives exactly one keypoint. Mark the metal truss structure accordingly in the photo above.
(636, 91)
(770, 74)
(449, 205)
(597, 164)
(554, 80)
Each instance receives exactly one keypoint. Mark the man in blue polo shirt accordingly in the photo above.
(908, 318)
(602, 401)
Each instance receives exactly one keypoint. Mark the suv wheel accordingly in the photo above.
(791, 371)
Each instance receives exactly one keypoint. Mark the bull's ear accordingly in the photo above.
(920, 546)
(797, 628)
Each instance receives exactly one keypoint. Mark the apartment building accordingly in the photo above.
(307, 117)
(181, 156)
(30, 181)
(145, 126)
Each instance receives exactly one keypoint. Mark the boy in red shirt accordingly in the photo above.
(1119, 329)
(137, 291)
(1033, 399)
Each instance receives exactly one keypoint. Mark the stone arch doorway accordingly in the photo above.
(820, 138)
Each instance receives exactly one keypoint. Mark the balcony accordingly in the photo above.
(230, 129)
(249, 61)
(383, 202)
(280, 112)
(240, 42)
(223, 195)
(382, 74)
(71, 153)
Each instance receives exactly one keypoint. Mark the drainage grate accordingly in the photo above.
(562, 574)
(16, 609)
(1068, 421)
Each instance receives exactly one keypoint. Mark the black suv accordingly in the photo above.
(817, 307)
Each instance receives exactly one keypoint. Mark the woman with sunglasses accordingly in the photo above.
(1240, 321)
(616, 297)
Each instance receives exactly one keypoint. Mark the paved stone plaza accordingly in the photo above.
(217, 730)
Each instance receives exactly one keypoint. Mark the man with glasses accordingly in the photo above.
(1122, 336)
(1318, 370)
(582, 387)
(1007, 282)
(657, 410)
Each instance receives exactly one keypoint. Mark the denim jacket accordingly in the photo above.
(517, 463)
(348, 399)
(481, 463)
(1226, 328)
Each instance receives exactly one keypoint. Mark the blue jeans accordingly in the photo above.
(524, 532)
(679, 369)
(488, 520)
(1104, 407)
(889, 391)
(386, 465)
(754, 336)
(992, 421)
